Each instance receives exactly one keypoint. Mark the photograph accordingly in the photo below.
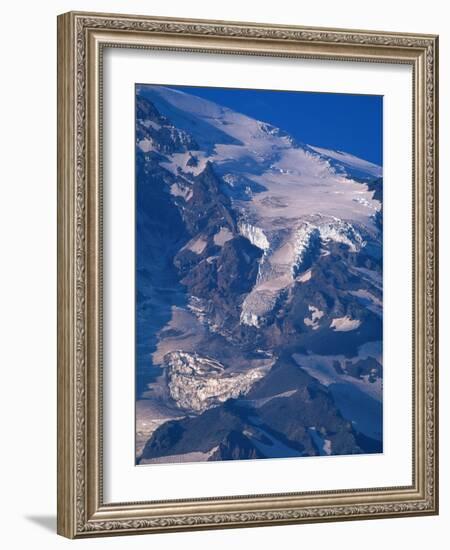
(258, 274)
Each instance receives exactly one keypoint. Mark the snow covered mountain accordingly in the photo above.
(263, 256)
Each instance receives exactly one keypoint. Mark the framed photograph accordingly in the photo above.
(247, 284)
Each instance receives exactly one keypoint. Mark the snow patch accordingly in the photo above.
(304, 277)
(150, 124)
(344, 324)
(316, 315)
(176, 190)
(177, 163)
(196, 245)
(146, 145)
(222, 236)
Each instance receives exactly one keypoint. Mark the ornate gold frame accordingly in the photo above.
(81, 38)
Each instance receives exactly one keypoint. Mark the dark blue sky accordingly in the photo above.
(347, 122)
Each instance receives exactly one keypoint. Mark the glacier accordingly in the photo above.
(294, 254)
(296, 176)
(197, 383)
(255, 235)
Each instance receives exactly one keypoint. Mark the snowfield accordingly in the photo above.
(351, 161)
(299, 176)
(295, 176)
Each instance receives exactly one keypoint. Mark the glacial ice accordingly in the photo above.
(255, 235)
(288, 255)
(197, 383)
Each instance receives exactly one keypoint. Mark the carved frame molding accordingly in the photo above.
(81, 39)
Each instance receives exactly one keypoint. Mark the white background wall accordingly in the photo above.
(28, 270)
